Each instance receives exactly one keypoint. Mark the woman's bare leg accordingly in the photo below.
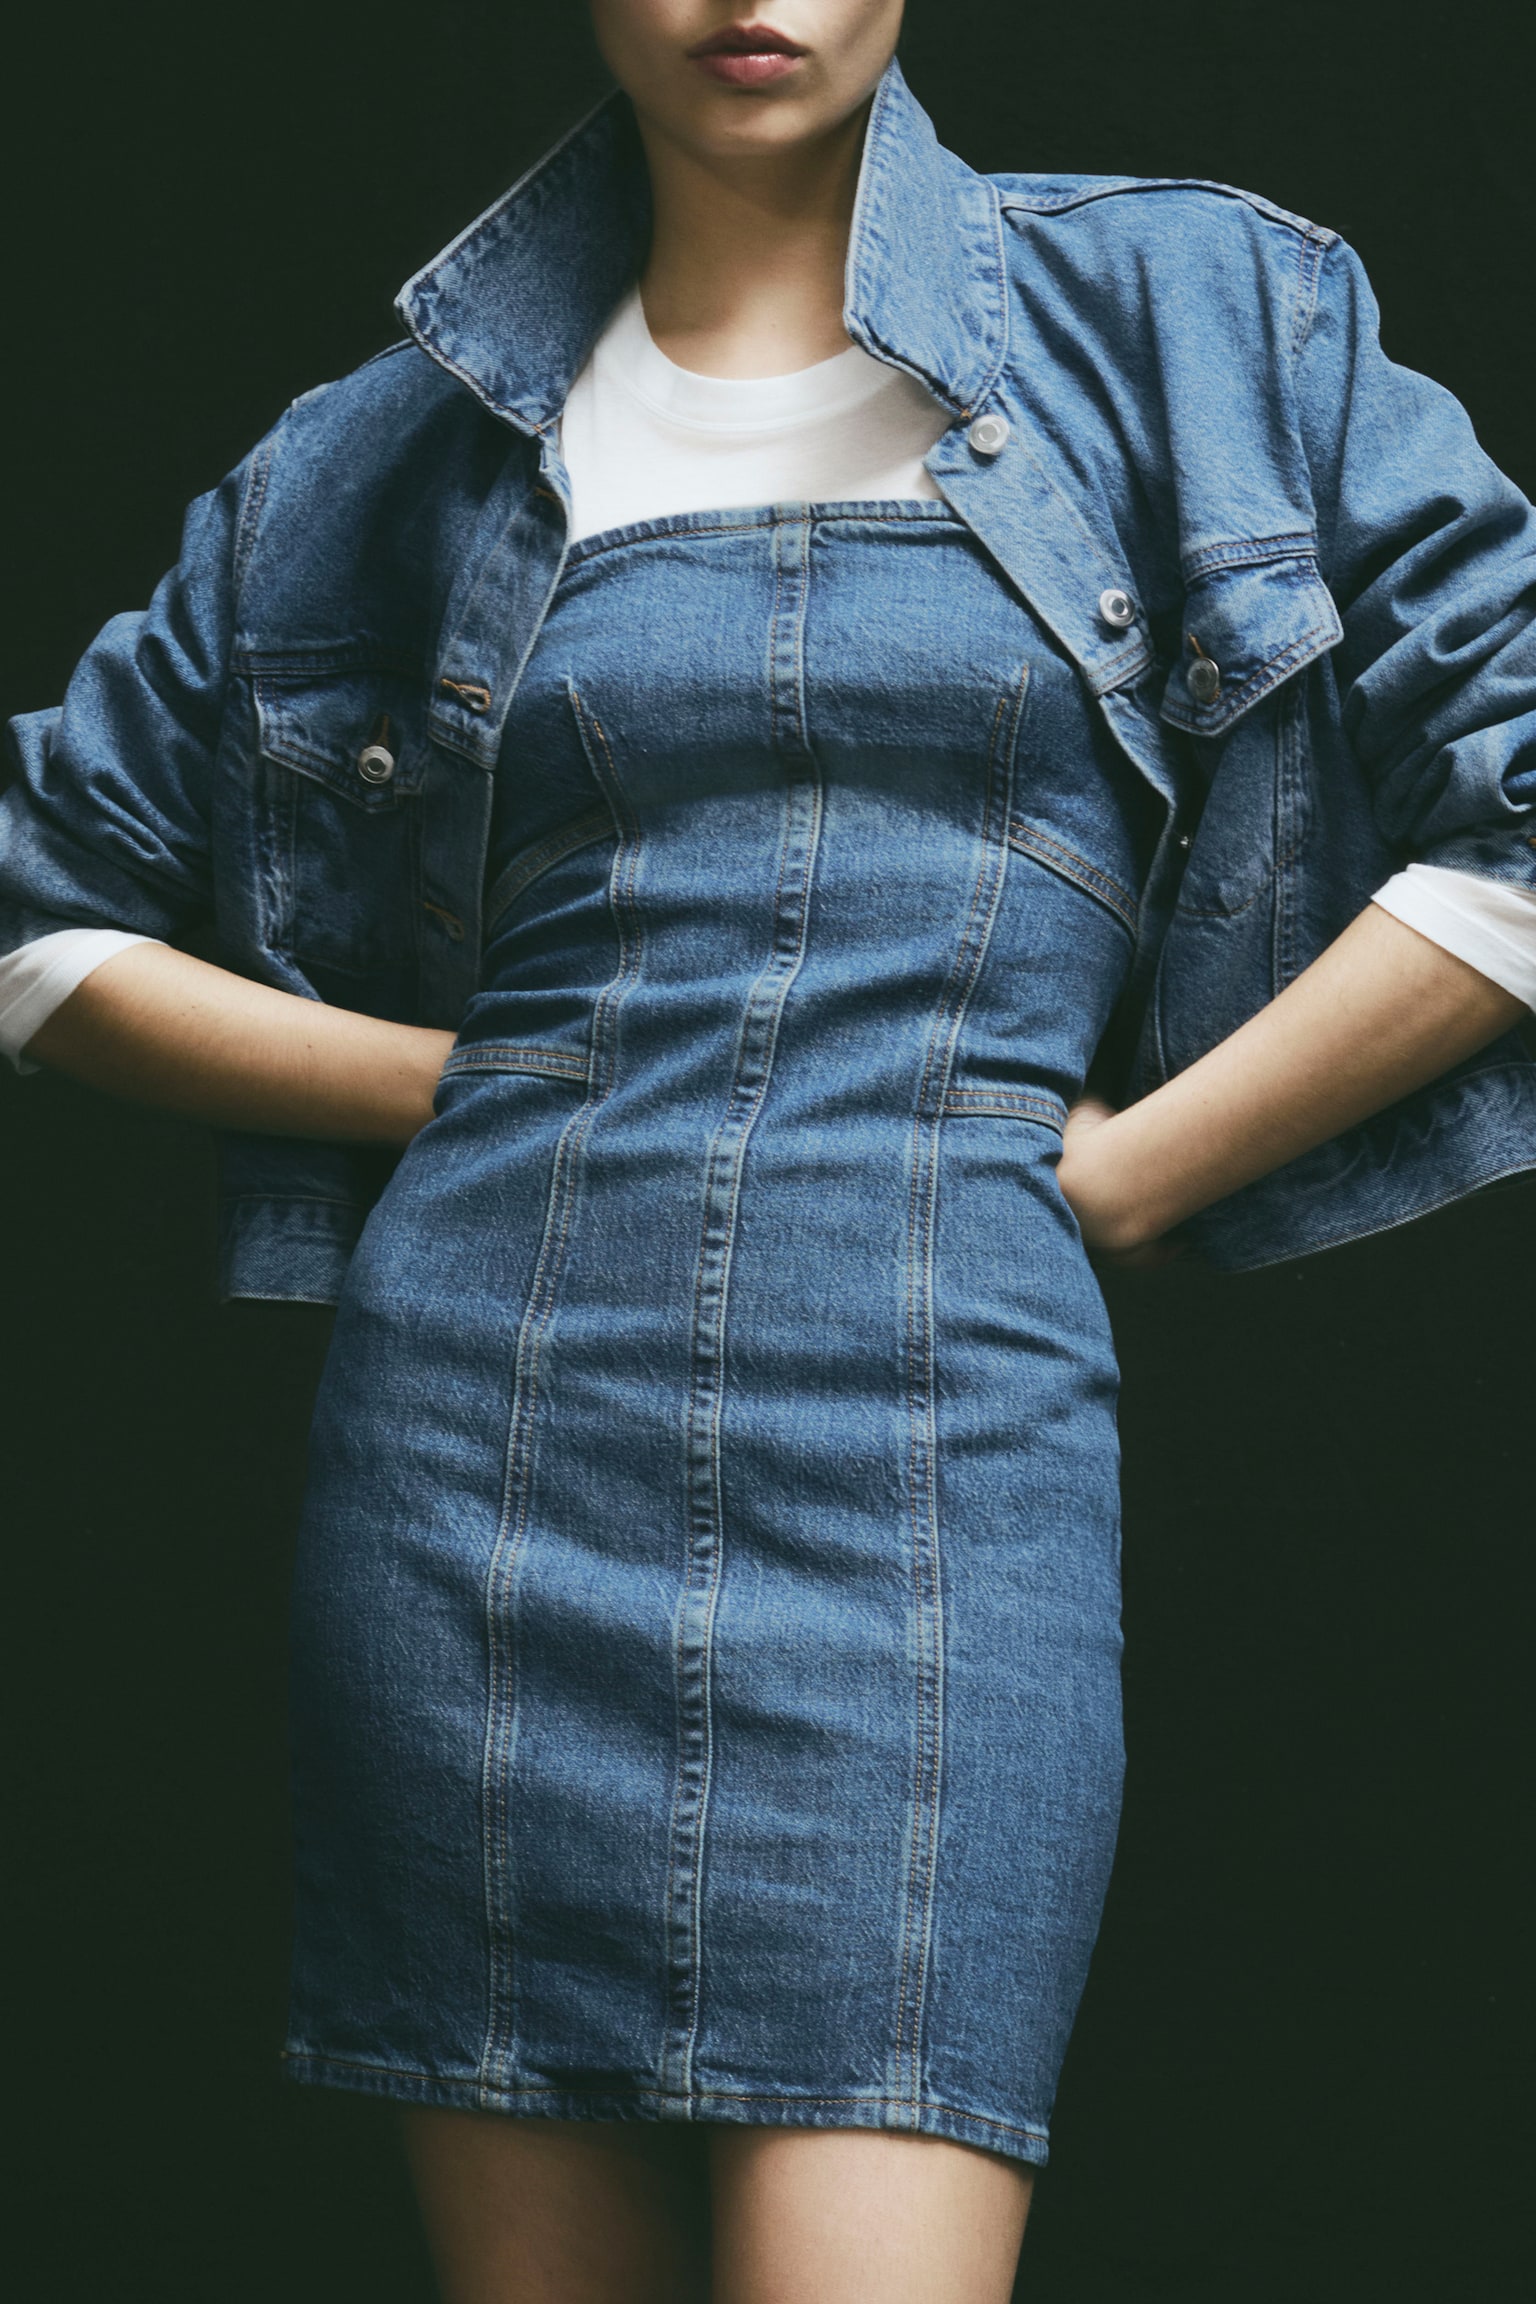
(558, 2211)
(572, 2212)
(855, 2216)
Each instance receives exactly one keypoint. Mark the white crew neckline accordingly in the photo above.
(628, 356)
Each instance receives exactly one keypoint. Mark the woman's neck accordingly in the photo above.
(745, 273)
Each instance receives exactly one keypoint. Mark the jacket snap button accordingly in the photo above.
(1118, 609)
(375, 765)
(988, 434)
(376, 762)
(1203, 680)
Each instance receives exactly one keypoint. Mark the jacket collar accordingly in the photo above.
(513, 305)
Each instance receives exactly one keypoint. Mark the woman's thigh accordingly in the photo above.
(565, 2212)
(561, 2211)
(856, 2216)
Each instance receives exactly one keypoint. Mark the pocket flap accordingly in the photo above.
(1254, 623)
(322, 719)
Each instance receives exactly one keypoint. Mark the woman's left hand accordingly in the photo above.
(1101, 1195)
(1379, 1013)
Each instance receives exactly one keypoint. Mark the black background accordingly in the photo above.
(1300, 2067)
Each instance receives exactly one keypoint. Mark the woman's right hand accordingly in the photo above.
(163, 1028)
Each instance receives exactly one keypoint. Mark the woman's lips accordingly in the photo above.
(747, 56)
(752, 69)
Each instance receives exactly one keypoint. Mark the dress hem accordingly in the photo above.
(739, 2107)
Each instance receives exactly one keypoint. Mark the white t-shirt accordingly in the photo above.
(642, 438)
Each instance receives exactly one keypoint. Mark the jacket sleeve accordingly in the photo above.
(107, 823)
(1430, 553)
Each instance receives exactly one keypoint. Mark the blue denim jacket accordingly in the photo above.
(1299, 591)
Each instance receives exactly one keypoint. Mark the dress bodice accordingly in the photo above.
(832, 724)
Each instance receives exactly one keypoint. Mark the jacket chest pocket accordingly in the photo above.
(1248, 629)
(343, 761)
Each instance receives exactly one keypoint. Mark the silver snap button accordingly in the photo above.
(375, 764)
(1182, 840)
(1118, 609)
(1203, 680)
(988, 434)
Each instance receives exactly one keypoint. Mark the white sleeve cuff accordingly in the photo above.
(38, 977)
(1487, 923)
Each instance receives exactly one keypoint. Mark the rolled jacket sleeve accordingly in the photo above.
(1430, 552)
(107, 823)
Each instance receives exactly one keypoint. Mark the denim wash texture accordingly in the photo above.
(707, 1646)
(1199, 416)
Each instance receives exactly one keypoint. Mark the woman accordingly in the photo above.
(707, 770)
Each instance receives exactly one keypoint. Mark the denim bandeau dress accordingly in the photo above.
(707, 1641)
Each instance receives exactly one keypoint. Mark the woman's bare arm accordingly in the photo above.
(158, 1026)
(1380, 1013)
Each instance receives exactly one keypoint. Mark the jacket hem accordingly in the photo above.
(1450, 1140)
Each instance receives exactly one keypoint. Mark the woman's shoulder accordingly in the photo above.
(397, 423)
(383, 471)
(1147, 207)
(1180, 255)
(398, 387)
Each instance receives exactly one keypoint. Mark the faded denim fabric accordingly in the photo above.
(1200, 418)
(706, 1674)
